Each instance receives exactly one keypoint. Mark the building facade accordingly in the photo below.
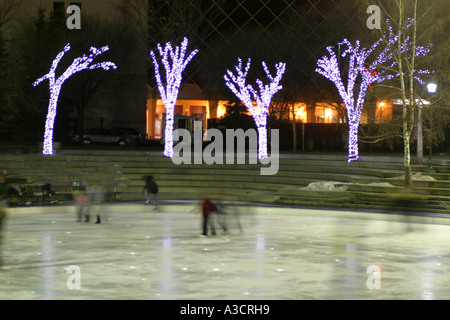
(219, 28)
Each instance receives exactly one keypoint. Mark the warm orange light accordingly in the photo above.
(256, 110)
(221, 110)
(301, 114)
(328, 115)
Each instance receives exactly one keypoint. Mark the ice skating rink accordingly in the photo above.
(290, 254)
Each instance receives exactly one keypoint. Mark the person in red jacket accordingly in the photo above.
(207, 209)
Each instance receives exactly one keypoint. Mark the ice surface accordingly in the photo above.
(159, 255)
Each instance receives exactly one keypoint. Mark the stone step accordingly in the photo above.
(213, 193)
(142, 158)
(372, 201)
(368, 183)
(37, 168)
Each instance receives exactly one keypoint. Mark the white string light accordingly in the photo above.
(55, 85)
(174, 63)
(329, 68)
(263, 98)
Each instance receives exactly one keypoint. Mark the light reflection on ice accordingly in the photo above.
(275, 258)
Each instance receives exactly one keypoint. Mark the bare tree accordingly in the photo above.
(8, 8)
(405, 54)
(8, 62)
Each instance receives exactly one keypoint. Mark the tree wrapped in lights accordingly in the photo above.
(174, 70)
(263, 98)
(55, 85)
(329, 68)
(385, 62)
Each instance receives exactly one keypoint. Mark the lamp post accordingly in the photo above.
(419, 135)
(431, 87)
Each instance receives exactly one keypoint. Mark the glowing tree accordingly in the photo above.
(354, 101)
(174, 70)
(55, 85)
(263, 98)
(329, 68)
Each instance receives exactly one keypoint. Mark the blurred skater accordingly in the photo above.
(207, 210)
(81, 201)
(151, 191)
(222, 217)
(97, 197)
(3, 191)
(228, 219)
(47, 190)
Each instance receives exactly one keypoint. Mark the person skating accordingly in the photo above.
(207, 209)
(97, 198)
(81, 202)
(151, 191)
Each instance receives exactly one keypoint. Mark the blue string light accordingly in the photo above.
(55, 85)
(329, 68)
(174, 63)
(237, 84)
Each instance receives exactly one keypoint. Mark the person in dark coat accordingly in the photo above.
(151, 190)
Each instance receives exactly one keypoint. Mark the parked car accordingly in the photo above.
(132, 133)
(106, 136)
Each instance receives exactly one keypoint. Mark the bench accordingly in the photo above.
(40, 193)
(36, 193)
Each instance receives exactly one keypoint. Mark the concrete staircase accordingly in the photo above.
(302, 180)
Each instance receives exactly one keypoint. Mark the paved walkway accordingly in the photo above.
(137, 253)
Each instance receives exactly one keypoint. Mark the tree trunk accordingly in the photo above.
(408, 175)
(353, 149)
(262, 142)
(407, 164)
(294, 131)
(405, 118)
(50, 121)
(168, 132)
(407, 146)
(419, 154)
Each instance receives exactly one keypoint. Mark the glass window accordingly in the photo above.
(59, 10)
